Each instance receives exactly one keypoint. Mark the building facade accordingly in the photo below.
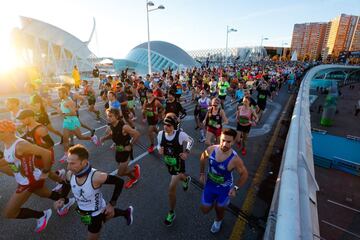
(343, 34)
(308, 40)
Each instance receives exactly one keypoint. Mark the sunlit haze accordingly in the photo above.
(191, 25)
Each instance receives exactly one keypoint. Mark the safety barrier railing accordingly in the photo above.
(293, 212)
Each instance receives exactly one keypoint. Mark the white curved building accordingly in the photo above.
(50, 49)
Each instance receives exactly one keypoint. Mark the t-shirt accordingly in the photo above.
(223, 86)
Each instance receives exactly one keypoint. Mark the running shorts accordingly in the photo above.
(212, 194)
(215, 131)
(71, 123)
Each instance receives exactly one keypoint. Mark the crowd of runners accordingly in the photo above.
(28, 149)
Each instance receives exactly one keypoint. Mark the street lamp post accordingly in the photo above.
(283, 49)
(150, 4)
(227, 39)
(261, 44)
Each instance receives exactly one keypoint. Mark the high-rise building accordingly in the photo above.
(343, 34)
(308, 39)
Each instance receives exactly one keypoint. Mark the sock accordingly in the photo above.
(29, 213)
(119, 212)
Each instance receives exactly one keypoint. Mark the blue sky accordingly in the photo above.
(190, 24)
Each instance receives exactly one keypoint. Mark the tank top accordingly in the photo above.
(204, 105)
(64, 109)
(172, 149)
(117, 135)
(129, 93)
(23, 167)
(87, 197)
(245, 116)
(150, 110)
(214, 120)
(142, 94)
(218, 173)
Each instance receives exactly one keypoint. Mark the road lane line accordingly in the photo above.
(344, 206)
(248, 204)
(58, 143)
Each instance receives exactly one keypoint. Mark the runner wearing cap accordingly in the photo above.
(19, 155)
(170, 144)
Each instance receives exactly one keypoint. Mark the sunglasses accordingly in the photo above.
(166, 124)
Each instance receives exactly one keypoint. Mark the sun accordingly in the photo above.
(8, 57)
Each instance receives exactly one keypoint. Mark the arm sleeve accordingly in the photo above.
(183, 137)
(159, 136)
(119, 183)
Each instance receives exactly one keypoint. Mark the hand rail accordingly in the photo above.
(293, 211)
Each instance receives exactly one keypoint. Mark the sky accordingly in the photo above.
(189, 24)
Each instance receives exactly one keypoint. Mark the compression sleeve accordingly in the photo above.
(183, 137)
(119, 183)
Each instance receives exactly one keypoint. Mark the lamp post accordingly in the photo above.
(261, 44)
(227, 39)
(283, 49)
(150, 4)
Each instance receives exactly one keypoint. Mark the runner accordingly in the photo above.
(219, 185)
(203, 105)
(13, 105)
(121, 97)
(170, 145)
(246, 117)
(37, 105)
(214, 119)
(152, 112)
(38, 134)
(141, 92)
(223, 87)
(173, 105)
(263, 93)
(78, 100)
(130, 95)
(124, 137)
(86, 185)
(71, 124)
(19, 155)
(91, 97)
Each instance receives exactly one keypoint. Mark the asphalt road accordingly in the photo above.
(149, 195)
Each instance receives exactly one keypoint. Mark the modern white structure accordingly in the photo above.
(227, 40)
(51, 50)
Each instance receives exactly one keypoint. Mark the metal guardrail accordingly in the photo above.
(293, 212)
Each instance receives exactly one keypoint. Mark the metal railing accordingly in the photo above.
(293, 212)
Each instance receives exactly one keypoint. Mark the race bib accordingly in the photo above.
(171, 161)
(216, 178)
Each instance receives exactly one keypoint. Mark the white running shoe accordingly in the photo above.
(43, 221)
(216, 226)
(112, 147)
(65, 209)
(61, 173)
(95, 140)
(64, 158)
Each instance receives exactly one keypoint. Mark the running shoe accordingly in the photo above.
(64, 158)
(186, 183)
(243, 151)
(134, 118)
(137, 171)
(65, 209)
(112, 147)
(129, 215)
(216, 226)
(95, 140)
(130, 183)
(170, 217)
(202, 139)
(43, 221)
(151, 149)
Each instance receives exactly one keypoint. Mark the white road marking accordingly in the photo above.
(342, 229)
(85, 133)
(132, 161)
(344, 206)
